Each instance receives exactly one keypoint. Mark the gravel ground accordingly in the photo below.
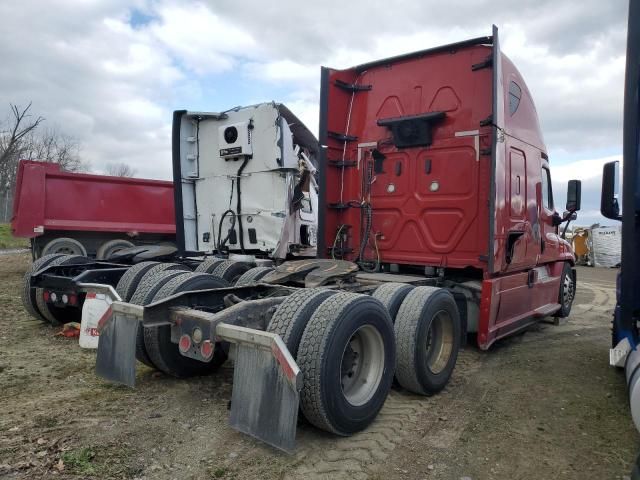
(541, 405)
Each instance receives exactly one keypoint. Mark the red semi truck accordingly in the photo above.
(436, 220)
(89, 215)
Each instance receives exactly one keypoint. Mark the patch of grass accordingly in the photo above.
(80, 461)
(9, 241)
(218, 472)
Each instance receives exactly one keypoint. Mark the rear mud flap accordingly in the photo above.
(116, 359)
(266, 387)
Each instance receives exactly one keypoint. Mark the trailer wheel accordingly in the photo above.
(128, 283)
(391, 296)
(347, 357)
(209, 265)
(427, 333)
(231, 270)
(292, 315)
(28, 293)
(112, 246)
(162, 352)
(51, 313)
(252, 275)
(151, 282)
(567, 291)
(65, 246)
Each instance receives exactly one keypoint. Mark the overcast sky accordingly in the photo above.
(110, 72)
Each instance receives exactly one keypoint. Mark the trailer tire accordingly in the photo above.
(128, 283)
(209, 265)
(253, 275)
(112, 246)
(567, 292)
(64, 246)
(391, 296)
(427, 312)
(164, 354)
(291, 317)
(148, 286)
(28, 293)
(51, 313)
(231, 270)
(347, 357)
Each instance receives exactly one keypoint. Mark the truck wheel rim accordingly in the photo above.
(568, 291)
(362, 365)
(439, 342)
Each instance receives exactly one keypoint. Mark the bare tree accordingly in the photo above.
(120, 170)
(22, 138)
(19, 127)
(54, 147)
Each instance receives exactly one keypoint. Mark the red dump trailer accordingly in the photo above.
(94, 215)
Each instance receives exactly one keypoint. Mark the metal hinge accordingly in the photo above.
(341, 164)
(342, 137)
(352, 87)
(487, 121)
(487, 62)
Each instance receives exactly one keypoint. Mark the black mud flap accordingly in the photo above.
(116, 359)
(266, 387)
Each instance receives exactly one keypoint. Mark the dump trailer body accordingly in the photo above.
(50, 203)
(448, 170)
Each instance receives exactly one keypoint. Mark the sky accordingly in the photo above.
(110, 72)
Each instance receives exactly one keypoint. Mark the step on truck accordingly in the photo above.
(244, 188)
(436, 222)
(89, 215)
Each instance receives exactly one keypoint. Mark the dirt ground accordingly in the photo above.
(541, 405)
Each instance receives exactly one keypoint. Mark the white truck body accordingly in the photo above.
(268, 150)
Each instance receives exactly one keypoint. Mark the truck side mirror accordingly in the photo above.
(609, 206)
(574, 194)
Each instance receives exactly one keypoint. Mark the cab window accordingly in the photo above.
(515, 93)
(547, 194)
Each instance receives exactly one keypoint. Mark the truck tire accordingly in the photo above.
(112, 246)
(55, 315)
(28, 293)
(162, 352)
(347, 357)
(151, 282)
(231, 270)
(209, 265)
(428, 317)
(567, 291)
(292, 315)
(252, 275)
(65, 246)
(391, 296)
(128, 283)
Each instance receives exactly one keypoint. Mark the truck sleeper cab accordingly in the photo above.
(446, 170)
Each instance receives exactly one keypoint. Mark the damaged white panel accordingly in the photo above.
(214, 160)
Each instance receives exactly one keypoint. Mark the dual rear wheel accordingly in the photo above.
(349, 346)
